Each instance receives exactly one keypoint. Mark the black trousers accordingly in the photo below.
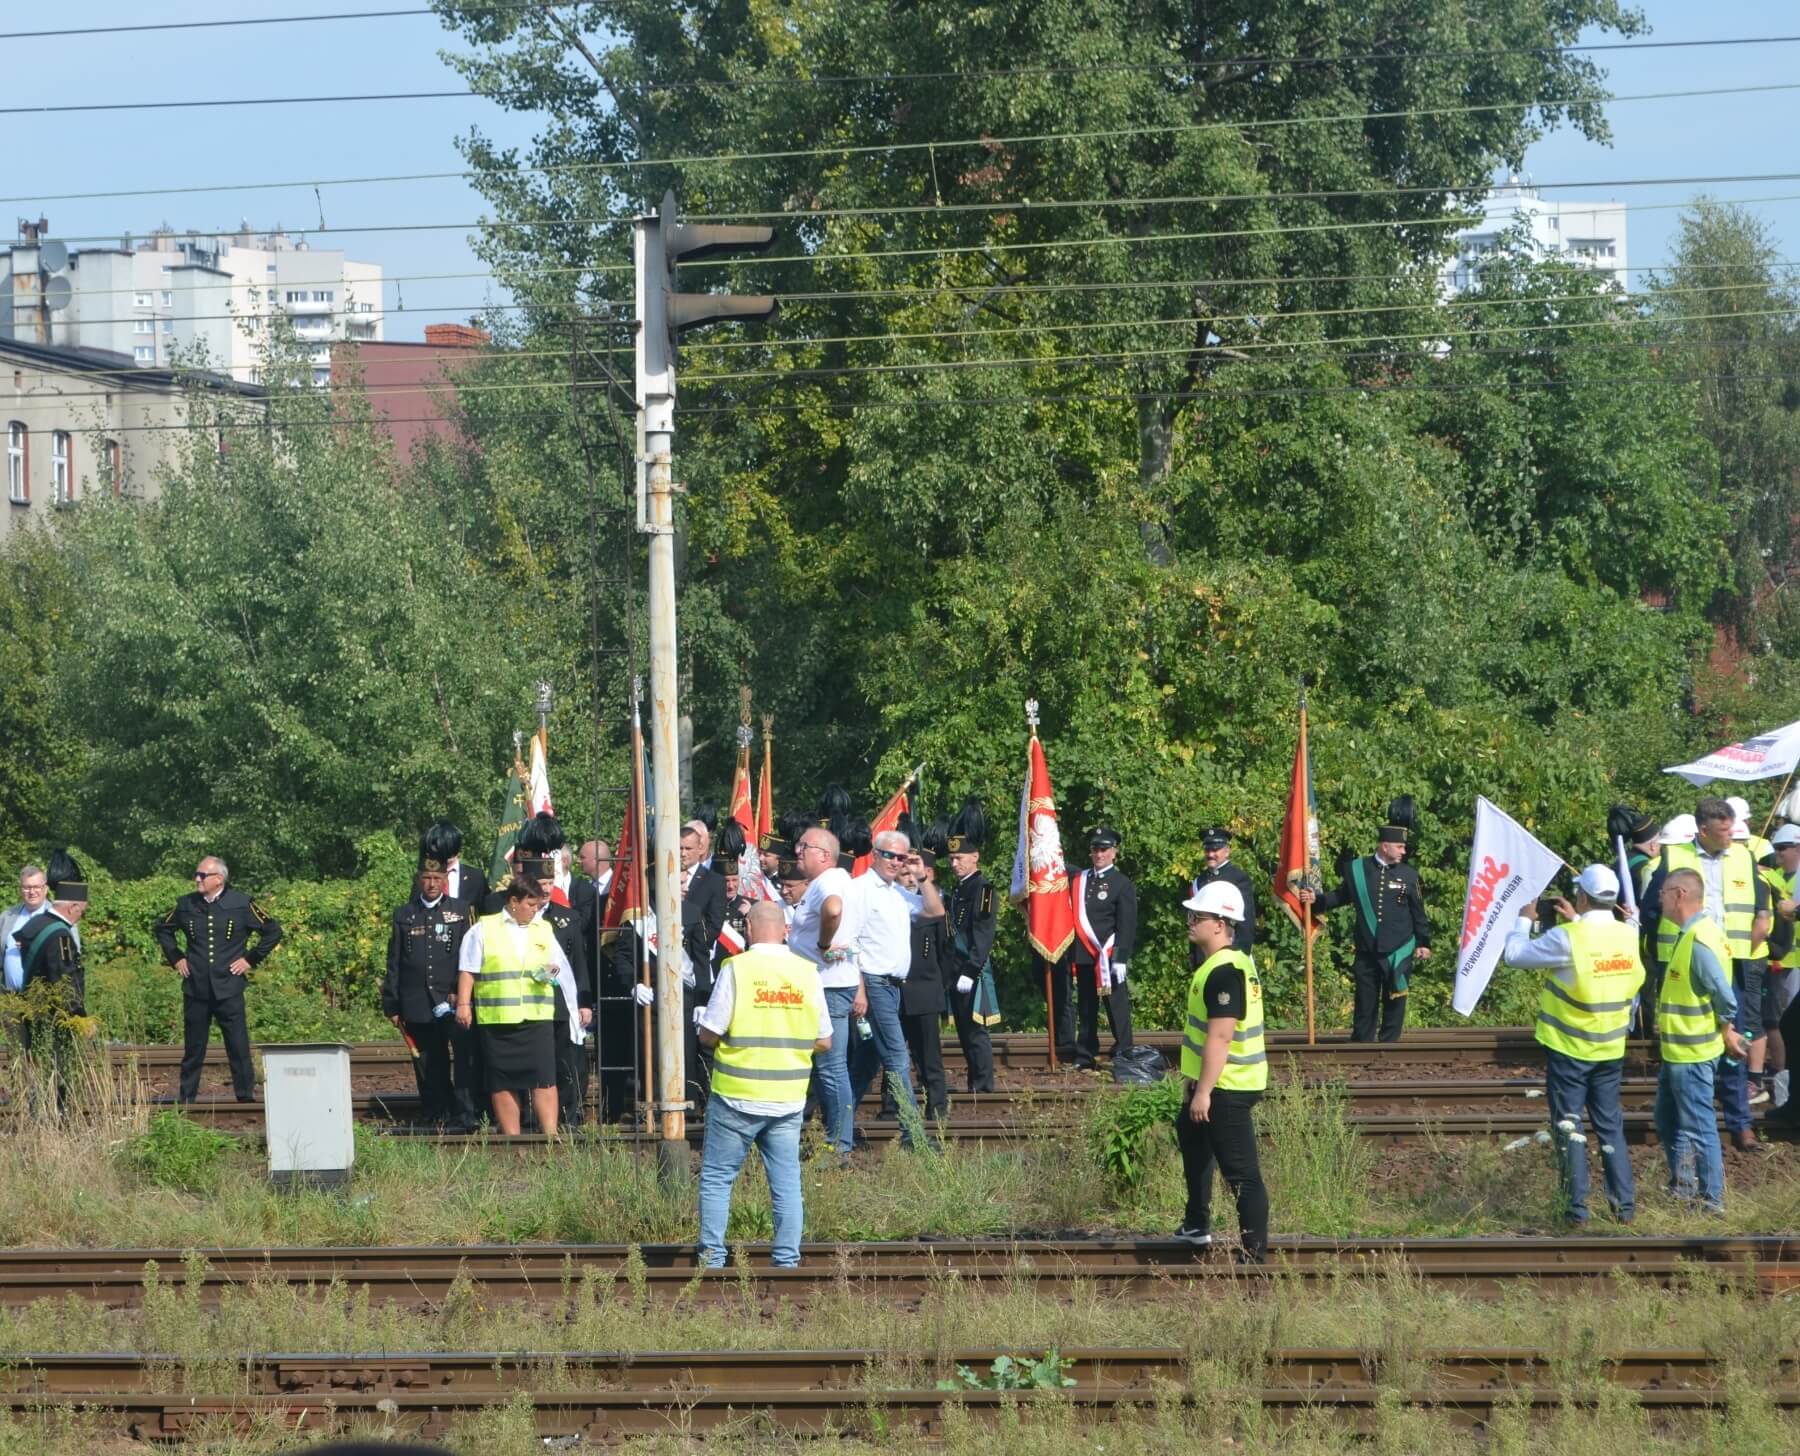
(571, 1076)
(1118, 1016)
(197, 1017)
(924, 1043)
(1062, 1008)
(616, 1025)
(448, 1073)
(977, 1049)
(1227, 1138)
(1375, 1006)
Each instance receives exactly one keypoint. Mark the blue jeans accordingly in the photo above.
(835, 1106)
(1732, 1078)
(1574, 1087)
(729, 1134)
(1690, 1132)
(887, 1048)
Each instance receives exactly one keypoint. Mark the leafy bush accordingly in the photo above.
(1046, 1372)
(1121, 1126)
(177, 1152)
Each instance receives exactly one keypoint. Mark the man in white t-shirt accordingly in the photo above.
(822, 928)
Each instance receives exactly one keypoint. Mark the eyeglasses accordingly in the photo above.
(204, 874)
(804, 847)
(893, 854)
(1196, 916)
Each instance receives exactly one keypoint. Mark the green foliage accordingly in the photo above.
(178, 1153)
(1025, 1372)
(1120, 1127)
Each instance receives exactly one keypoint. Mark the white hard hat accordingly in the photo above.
(1217, 897)
(1740, 806)
(1787, 834)
(1740, 828)
(1598, 882)
(1680, 830)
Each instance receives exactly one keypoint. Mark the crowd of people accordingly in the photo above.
(824, 957)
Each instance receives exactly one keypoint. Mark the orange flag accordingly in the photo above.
(888, 818)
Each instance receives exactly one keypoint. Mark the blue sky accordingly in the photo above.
(1700, 136)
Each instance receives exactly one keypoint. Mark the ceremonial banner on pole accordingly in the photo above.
(740, 794)
(628, 903)
(1770, 755)
(1040, 879)
(514, 811)
(765, 786)
(1508, 869)
(1297, 866)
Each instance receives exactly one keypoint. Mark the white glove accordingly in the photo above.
(964, 985)
(687, 969)
(642, 994)
(1118, 973)
(699, 1011)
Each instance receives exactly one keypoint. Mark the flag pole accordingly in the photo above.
(1780, 794)
(1031, 717)
(1306, 925)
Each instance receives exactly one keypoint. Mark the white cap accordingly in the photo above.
(1598, 883)
(1787, 834)
(1680, 830)
(1217, 898)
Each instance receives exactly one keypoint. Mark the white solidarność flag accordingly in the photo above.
(1508, 869)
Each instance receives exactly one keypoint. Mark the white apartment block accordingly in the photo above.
(1585, 234)
(154, 299)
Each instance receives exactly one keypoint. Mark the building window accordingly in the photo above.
(296, 295)
(168, 326)
(143, 326)
(321, 377)
(18, 448)
(144, 353)
(168, 298)
(61, 491)
(142, 300)
(324, 295)
(113, 463)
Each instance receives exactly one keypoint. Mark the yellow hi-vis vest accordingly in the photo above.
(1247, 1063)
(766, 1054)
(506, 990)
(1686, 1024)
(1585, 1009)
(1738, 883)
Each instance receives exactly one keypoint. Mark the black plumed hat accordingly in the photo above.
(728, 848)
(541, 835)
(1400, 821)
(969, 829)
(442, 840)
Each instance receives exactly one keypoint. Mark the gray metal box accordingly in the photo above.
(307, 1112)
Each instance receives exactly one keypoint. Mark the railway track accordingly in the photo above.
(609, 1395)
(420, 1277)
(1457, 1047)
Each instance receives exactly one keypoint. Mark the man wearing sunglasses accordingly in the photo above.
(881, 948)
(214, 938)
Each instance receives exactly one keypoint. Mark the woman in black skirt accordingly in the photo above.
(507, 987)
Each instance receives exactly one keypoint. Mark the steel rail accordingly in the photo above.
(1142, 1268)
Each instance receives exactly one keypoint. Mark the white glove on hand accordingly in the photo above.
(699, 1011)
(964, 985)
(687, 969)
(1118, 973)
(642, 994)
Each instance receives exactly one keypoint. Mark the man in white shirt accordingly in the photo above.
(821, 929)
(880, 946)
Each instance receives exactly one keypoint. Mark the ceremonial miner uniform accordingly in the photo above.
(1105, 938)
(211, 935)
(969, 911)
(1391, 927)
(1213, 841)
(424, 941)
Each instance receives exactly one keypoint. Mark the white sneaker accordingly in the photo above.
(1196, 1237)
(1758, 1093)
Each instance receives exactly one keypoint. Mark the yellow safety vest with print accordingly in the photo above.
(516, 982)
(1584, 1009)
(1247, 1063)
(1738, 883)
(1686, 1024)
(766, 1054)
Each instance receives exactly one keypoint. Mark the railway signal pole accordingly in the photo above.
(660, 242)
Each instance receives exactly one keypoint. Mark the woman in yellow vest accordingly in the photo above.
(1226, 1069)
(1592, 974)
(507, 985)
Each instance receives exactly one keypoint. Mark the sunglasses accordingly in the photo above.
(893, 854)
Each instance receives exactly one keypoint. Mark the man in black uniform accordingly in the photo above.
(418, 995)
(1391, 929)
(922, 992)
(50, 952)
(969, 940)
(217, 924)
(1216, 842)
(539, 856)
(1105, 937)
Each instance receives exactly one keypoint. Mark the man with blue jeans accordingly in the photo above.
(821, 924)
(765, 1022)
(1693, 1026)
(881, 949)
(1592, 973)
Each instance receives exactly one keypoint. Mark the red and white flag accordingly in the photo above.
(537, 801)
(1040, 879)
(1508, 869)
(888, 818)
